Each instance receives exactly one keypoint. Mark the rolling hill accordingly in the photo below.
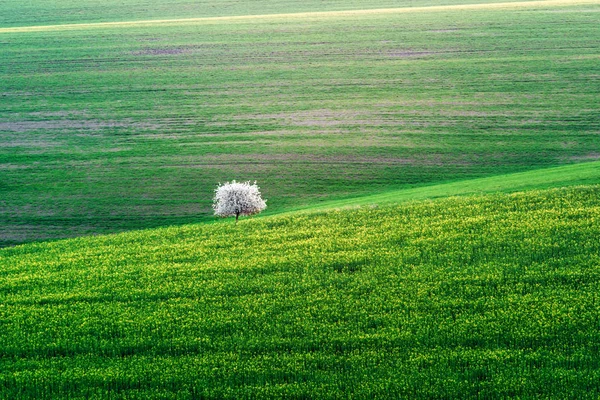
(485, 296)
(433, 184)
(106, 128)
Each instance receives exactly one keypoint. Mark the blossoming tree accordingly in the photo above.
(237, 198)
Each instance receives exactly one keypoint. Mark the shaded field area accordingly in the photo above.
(111, 129)
(482, 297)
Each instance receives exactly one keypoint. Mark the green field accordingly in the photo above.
(432, 170)
(39, 12)
(113, 128)
(557, 177)
(492, 296)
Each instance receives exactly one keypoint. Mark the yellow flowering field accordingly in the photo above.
(490, 296)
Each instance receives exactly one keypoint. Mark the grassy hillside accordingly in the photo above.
(557, 177)
(492, 296)
(124, 127)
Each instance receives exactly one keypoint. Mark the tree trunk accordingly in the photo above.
(237, 215)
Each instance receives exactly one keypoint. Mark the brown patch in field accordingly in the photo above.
(150, 39)
(587, 157)
(434, 104)
(25, 233)
(160, 123)
(161, 51)
(25, 210)
(568, 145)
(10, 166)
(220, 124)
(66, 124)
(22, 233)
(409, 53)
(27, 143)
(62, 113)
(319, 159)
(473, 113)
(18, 93)
(325, 118)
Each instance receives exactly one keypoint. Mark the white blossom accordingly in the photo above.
(236, 198)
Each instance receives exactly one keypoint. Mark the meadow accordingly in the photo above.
(432, 170)
(490, 296)
(108, 128)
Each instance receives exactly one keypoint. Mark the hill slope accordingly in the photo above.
(121, 127)
(545, 178)
(490, 296)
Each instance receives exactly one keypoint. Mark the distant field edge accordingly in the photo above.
(583, 174)
(570, 175)
(312, 14)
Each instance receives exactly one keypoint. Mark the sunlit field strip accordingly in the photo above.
(479, 297)
(307, 15)
(558, 177)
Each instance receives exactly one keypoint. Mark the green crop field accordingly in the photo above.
(106, 128)
(492, 296)
(39, 12)
(432, 170)
(557, 177)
